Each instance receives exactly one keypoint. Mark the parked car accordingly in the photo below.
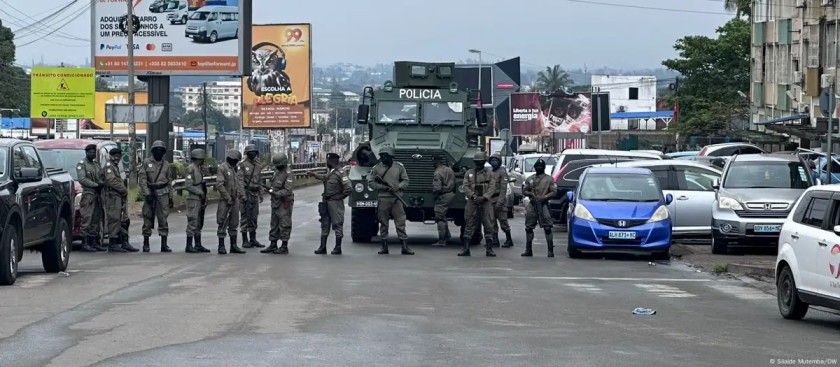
(692, 187)
(718, 162)
(178, 156)
(728, 149)
(523, 167)
(36, 210)
(617, 208)
(808, 260)
(691, 153)
(66, 154)
(754, 196)
(566, 180)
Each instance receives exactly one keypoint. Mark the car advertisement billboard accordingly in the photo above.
(174, 37)
(278, 93)
(539, 114)
(62, 93)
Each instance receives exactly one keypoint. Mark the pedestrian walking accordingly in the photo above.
(479, 189)
(500, 177)
(249, 176)
(539, 188)
(116, 213)
(231, 194)
(89, 173)
(390, 179)
(282, 203)
(196, 201)
(154, 177)
(443, 187)
(331, 208)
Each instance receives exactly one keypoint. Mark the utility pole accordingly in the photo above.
(335, 136)
(204, 117)
(132, 126)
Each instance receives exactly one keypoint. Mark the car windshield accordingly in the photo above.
(619, 187)
(66, 159)
(3, 165)
(766, 175)
(199, 15)
(443, 113)
(172, 5)
(397, 112)
(529, 162)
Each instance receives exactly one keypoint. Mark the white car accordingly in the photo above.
(808, 261)
(522, 167)
(212, 23)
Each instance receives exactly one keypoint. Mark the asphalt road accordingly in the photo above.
(363, 309)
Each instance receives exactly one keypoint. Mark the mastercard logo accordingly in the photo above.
(835, 270)
(150, 46)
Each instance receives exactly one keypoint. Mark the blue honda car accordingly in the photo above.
(617, 209)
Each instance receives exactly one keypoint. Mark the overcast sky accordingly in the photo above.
(367, 32)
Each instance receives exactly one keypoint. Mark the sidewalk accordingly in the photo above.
(757, 263)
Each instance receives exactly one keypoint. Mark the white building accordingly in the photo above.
(628, 93)
(225, 96)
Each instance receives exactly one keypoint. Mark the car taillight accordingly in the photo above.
(354, 163)
(560, 172)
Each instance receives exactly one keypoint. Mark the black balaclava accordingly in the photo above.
(90, 154)
(158, 153)
(539, 167)
(232, 162)
(251, 155)
(495, 163)
(387, 159)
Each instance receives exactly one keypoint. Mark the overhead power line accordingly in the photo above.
(71, 17)
(22, 23)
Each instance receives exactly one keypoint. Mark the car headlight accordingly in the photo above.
(359, 187)
(582, 213)
(729, 203)
(660, 214)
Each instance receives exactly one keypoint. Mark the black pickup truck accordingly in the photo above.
(36, 210)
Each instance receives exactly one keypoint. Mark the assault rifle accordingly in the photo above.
(382, 182)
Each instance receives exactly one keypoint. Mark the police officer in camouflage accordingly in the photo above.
(231, 194)
(116, 213)
(89, 173)
(196, 201)
(443, 187)
(282, 203)
(499, 175)
(154, 177)
(479, 189)
(539, 188)
(389, 179)
(331, 208)
(249, 177)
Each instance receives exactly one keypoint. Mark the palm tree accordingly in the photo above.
(740, 7)
(552, 79)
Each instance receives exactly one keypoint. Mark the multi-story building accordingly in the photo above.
(224, 96)
(628, 93)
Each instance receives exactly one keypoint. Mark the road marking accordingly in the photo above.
(591, 278)
(741, 292)
(583, 287)
(665, 291)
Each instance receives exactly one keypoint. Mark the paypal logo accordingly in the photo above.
(103, 46)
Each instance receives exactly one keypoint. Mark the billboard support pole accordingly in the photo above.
(132, 127)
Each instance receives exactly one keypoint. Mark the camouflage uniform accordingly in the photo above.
(250, 171)
(196, 201)
(389, 180)
(154, 178)
(443, 187)
(90, 205)
(282, 203)
(331, 209)
(231, 194)
(499, 175)
(539, 188)
(116, 213)
(479, 189)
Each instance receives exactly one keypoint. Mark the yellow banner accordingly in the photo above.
(103, 98)
(62, 93)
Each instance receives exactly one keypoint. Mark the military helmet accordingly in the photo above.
(480, 157)
(496, 156)
(387, 150)
(540, 163)
(251, 148)
(158, 145)
(90, 147)
(279, 159)
(115, 151)
(234, 154)
(197, 154)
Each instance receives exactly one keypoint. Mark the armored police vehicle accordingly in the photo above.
(421, 114)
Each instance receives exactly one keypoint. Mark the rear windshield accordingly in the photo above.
(766, 175)
(66, 159)
(529, 162)
(620, 187)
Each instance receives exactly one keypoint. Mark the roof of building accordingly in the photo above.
(642, 115)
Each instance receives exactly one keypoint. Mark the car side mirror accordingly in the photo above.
(570, 196)
(669, 199)
(716, 184)
(837, 230)
(512, 179)
(28, 174)
(481, 117)
(362, 115)
(517, 170)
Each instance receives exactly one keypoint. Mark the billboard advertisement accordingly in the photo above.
(278, 93)
(89, 126)
(174, 37)
(62, 93)
(539, 114)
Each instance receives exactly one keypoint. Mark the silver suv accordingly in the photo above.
(754, 196)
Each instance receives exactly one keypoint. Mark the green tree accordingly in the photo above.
(713, 70)
(740, 7)
(102, 85)
(14, 82)
(552, 79)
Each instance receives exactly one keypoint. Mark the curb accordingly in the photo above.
(754, 270)
(680, 250)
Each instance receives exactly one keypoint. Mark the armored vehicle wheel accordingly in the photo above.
(363, 224)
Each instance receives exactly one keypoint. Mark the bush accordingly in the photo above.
(180, 169)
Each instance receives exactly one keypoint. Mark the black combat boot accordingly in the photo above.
(549, 240)
(126, 245)
(496, 242)
(234, 248)
(245, 242)
(87, 244)
(405, 249)
(190, 248)
(198, 246)
(508, 240)
(98, 245)
(465, 247)
(384, 249)
(163, 246)
(529, 241)
(222, 249)
(322, 250)
(488, 246)
(270, 249)
(114, 245)
(146, 244)
(254, 241)
(337, 249)
(283, 249)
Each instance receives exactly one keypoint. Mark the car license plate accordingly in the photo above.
(765, 228)
(366, 204)
(621, 235)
